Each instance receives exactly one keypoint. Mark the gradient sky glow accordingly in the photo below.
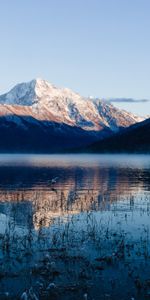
(95, 47)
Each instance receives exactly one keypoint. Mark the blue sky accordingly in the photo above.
(95, 47)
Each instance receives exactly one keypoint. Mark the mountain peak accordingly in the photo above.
(42, 87)
(27, 93)
(39, 82)
(49, 102)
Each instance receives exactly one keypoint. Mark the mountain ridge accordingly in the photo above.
(134, 139)
(37, 112)
(64, 105)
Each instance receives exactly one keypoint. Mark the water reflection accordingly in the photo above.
(99, 205)
(79, 187)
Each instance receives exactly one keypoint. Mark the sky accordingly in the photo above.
(99, 48)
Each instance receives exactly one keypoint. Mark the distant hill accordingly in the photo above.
(134, 139)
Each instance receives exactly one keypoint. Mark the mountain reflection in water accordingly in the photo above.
(91, 192)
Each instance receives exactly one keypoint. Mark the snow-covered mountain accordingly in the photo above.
(39, 117)
(45, 102)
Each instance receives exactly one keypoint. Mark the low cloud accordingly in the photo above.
(126, 100)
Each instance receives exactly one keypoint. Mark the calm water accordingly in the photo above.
(75, 226)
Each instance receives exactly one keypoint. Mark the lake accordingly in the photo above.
(75, 227)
